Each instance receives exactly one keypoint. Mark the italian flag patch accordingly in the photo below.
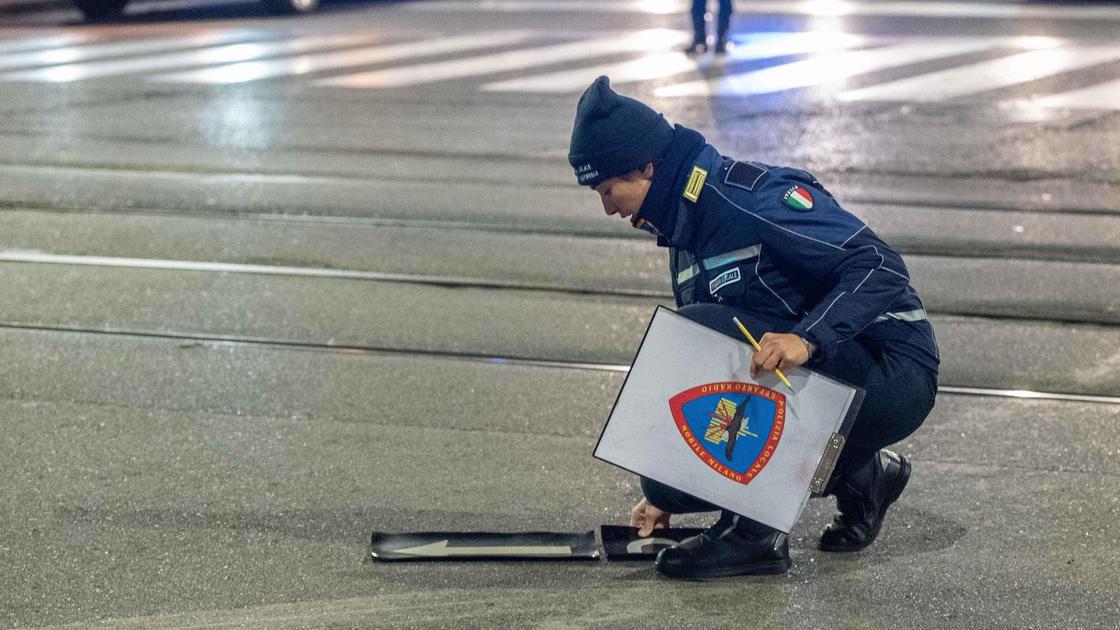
(798, 198)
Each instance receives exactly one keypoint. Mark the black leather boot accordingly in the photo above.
(733, 546)
(863, 496)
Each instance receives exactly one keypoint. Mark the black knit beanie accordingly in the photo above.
(614, 134)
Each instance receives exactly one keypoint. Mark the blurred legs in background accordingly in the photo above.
(699, 31)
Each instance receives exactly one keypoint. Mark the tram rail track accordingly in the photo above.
(521, 361)
(998, 309)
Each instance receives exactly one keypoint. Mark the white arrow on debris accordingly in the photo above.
(639, 546)
(440, 549)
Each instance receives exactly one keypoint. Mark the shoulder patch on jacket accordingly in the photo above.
(695, 184)
(798, 198)
(744, 175)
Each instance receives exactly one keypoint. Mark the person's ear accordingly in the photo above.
(647, 172)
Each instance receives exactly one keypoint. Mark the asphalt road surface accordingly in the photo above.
(270, 284)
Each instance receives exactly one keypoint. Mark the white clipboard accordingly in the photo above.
(690, 416)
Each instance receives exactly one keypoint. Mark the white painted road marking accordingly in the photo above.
(641, 41)
(1105, 96)
(70, 54)
(826, 68)
(205, 56)
(215, 56)
(44, 41)
(986, 75)
(647, 68)
(304, 64)
(758, 46)
(818, 8)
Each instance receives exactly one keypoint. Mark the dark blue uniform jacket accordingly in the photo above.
(773, 241)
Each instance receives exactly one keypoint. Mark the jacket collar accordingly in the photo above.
(661, 208)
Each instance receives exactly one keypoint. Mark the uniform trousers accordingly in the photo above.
(700, 7)
(899, 395)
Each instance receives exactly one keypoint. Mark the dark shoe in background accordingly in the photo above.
(863, 497)
(733, 546)
(697, 47)
(721, 44)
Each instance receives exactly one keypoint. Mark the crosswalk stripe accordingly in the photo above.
(1104, 96)
(986, 75)
(758, 46)
(235, 56)
(645, 69)
(655, 7)
(304, 64)
(821, 8)
(70, 54)
(45, 41)
(825, 68)
(641, 41)
(204, 56)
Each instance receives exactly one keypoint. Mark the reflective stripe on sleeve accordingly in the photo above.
(916, 315)
(730, 257)
(687, 274)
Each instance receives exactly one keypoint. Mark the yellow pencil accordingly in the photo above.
(754, 343)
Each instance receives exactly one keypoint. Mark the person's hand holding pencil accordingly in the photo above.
(775, 352)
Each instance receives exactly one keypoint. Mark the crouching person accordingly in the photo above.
(771, 246)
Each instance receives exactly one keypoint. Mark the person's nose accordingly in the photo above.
(609, 208)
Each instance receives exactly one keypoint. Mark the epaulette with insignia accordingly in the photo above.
(744, 175)
(695, 184)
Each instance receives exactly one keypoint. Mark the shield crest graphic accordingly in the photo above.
(732, 427)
